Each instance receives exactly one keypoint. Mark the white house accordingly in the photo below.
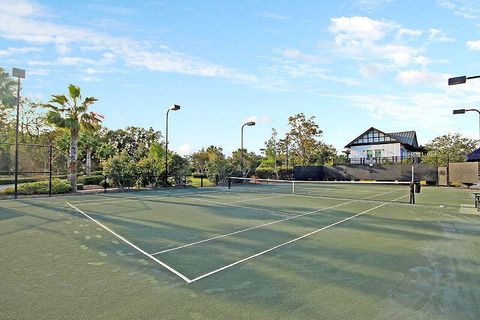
(375, 146)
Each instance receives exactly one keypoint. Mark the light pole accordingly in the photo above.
(459, 80)
(250, 123)
(20, 74)
(174, 107)
(462, 111)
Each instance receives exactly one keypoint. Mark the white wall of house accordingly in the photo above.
(386, 150)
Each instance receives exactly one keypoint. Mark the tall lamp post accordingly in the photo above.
(462, 111)
(460, 80)
(250, 123)
(19, 74)
(174, 107)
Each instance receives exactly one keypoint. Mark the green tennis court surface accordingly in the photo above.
(340, 252)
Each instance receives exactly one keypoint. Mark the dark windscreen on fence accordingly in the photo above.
(400, 172)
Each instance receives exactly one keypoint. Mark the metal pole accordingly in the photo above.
(16, 137)
(50, 171)
(478, 127)
(241, 152)
(166, 149)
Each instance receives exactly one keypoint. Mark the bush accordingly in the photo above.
(91, 180)
(121, 168)
(265, 173)
(41, 187)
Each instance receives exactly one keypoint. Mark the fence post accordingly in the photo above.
(105, 184)
(50, 152)
(229, 183)
(201, 181)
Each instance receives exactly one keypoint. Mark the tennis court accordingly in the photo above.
(257, 250)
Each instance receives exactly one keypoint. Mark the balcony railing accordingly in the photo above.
(385, 160)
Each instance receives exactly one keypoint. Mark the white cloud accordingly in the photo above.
(420, 77)
(184, 150)
(408, 33)
(350, 31)
(462, 8)
(372, 70)
(296, 54)
(17, 51)
(38, 72)
(25, 21)
(275, 16)
(259, 119)
(473, 45)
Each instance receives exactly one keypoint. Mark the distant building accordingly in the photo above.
(474, 156)
(375, 146)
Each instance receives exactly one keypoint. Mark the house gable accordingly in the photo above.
(372, 136)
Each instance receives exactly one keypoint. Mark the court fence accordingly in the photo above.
(43, 169)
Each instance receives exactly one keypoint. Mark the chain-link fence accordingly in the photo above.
(43, 169)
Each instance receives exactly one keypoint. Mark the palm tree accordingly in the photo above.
(72, 113)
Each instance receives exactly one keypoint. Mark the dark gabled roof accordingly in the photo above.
(474, 156)
(361, 135)
(405, 137)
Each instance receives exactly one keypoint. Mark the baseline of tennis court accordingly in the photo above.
(198, 234)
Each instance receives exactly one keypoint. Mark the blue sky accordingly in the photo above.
(351, 64)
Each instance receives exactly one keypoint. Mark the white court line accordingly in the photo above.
(261, 198)
(263, 225)
(140, 198)
(248, 229)
(291, 241)
(163, 264)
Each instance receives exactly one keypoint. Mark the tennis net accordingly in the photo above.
(399, 191)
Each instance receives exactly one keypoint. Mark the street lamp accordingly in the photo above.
(174, 107)
(250, 123)
(460, 80)
(20, 74)
(462, 111)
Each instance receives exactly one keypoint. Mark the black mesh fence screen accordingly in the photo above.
(400, 172)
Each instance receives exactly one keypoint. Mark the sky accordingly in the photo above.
(351, 64)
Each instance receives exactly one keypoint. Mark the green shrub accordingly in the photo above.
(265, 173)
(121, 168)
(91, 180)
(41, 187)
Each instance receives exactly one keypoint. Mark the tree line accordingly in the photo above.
(136, 155)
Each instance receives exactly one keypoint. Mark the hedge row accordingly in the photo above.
(41, 187)
(91, 180)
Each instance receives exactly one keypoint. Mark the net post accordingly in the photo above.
(201, 181)
(229, 183)
(412, 193)
(50, 152)
(293, 187)
(105, 184)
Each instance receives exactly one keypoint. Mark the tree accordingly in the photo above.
(270, 154)
(448, 148)
(217, 165)
(250, 160)
(199, 161)
(90, 141)
(7, 102)
(136, 141)
(303, 136)
(72, 113)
